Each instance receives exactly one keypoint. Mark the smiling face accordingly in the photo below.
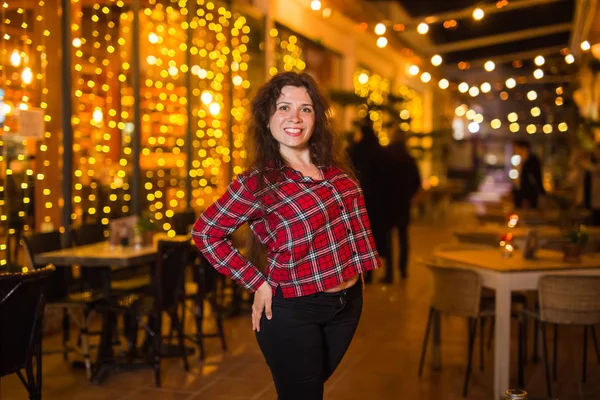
(293, 122)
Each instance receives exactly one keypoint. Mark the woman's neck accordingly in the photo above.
(299, 159)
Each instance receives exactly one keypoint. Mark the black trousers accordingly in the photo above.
(402, 227)
(306, 339)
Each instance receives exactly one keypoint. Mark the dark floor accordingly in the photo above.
(381, 362)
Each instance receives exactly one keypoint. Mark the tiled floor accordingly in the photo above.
(381, 362)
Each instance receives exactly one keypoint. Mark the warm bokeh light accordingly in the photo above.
(511, 83)
(539, 61)
(363, 78)
(531, 129)
(535, 112)
(489, 66)
(423, 28)
(315, 5)
(563, 127)
(473, 127)
(478, 14)
(532, 95)
(486, 87)
(425, 77)
(382, 42)
(514, 127)
(380, 29)
(513, 117)
(413, 70)
(474, 91)
(463, 87)
(436, 60)
(461, 110)
(496, 123)
(547, 129)
(569, 59)
(443, 84)
(585, 45)
(538, 74)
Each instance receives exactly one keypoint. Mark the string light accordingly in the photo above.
(463, 87)
(478, 14)
(380, 29)
(382, 42)
(539, 61)
(532, 95)
(585, 45)
(425, 77)
(538, 74)
(315, 5)
(511, 83)
(436, 60)
(443, 83)
(486, 87)
(423, 28)
(569, 59)
(413, 70)
(489, 66)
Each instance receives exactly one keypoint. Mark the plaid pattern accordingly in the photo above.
(317, 232)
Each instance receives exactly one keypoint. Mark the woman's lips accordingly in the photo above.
(293, 131)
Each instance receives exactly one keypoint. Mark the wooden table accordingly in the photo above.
(550, 237)
(509, 275)
(101, 256)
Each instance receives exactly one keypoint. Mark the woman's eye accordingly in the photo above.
(283, 108)
(307, 109)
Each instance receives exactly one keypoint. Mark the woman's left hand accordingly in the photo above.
(262, 302)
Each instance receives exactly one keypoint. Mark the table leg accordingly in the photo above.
(437, 341)
(105, 352)
(502, 339)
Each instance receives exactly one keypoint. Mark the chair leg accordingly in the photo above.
(546, 363)
(491, 334)
(585, 340)
(85, 344)
(472, 334)
(595, 340)
(425, 341)
(555, 353)
(180, 339)
(536, 329)
(481, 341)
(219, 320)
(65, 334)
(520, 364)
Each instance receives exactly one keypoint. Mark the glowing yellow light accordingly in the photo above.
(511, 83)
(425, 77)
(538, 74)
(531, 129)
(474, 91)
(380, 29)
(405, 114)
(478, 14)
(461, 110)
(585, 45)
(27, 75)
(363, 78)
(206, 97)
(532, 95)
(15, 58)
(443, 84)
(97, 115)
(423, 28)
(214, 109)
(382, 42)
(153, 38)
(496, 123)
(514, 127)
(539, 61)
(489, 66)
(547, 129)
(535, 111)
(315, 5)
(23, 106)
(563, 127)
(436, 60)
(569, 59)
(77, 43)
(413, 70)
(486, 87)
(471, 114)
(463, 87)
(558, 101)
(237, 80)
(512, 117)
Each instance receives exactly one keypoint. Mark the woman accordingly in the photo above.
(307, 210)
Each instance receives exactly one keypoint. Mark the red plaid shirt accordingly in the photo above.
(317, 232)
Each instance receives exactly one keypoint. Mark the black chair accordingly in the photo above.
(203, 288)
(162, 296)
(22, 304)
(88, 234)
(182, 221)
(65, 293)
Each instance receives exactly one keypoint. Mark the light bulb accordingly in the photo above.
(436, 60)
(422, 28)
(478, 14)
(443, 84)
(382, 42)
(380, 29)
(97, 115)
(27, 75)
(489, 66)
(15, 58)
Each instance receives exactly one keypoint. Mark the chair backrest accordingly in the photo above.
(169, 273)
(41, 242)
(182, 222)
(88, 234)
(22, 304)
(455, 291)
(570, 299)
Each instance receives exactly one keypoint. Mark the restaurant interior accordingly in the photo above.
(121, 121)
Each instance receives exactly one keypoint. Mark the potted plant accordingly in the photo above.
(577, 238)
(146, 227)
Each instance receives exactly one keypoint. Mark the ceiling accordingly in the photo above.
(511, 34)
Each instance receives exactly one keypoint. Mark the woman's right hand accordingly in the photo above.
(262, 302)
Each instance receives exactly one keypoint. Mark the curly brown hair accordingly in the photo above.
(264, 149)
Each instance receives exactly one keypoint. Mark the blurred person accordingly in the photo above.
(304, 205)
(404, 181)
(528, 186)
(368, 160)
